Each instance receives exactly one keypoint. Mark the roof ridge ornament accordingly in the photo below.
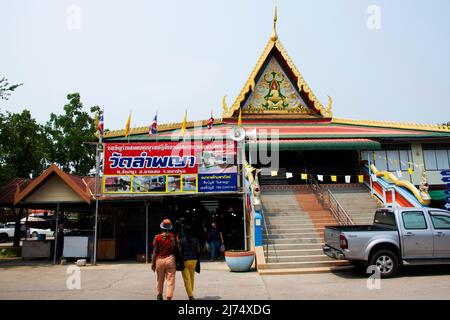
(274, 36)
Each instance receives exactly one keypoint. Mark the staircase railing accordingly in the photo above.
(318, 191)
(338, 211)
(266, 228)
(328, 201)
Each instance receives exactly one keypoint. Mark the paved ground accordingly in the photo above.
(41, 280)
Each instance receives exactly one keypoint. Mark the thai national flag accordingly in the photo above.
(154, 126)
(100, 125)
(210, 122)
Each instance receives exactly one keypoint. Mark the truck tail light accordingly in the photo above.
(343, 242)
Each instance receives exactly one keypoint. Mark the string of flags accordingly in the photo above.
(321, 177)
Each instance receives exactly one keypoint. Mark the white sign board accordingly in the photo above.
(76, 247)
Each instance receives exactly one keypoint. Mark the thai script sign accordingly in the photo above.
(165, 167)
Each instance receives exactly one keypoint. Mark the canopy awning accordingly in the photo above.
(322, 144)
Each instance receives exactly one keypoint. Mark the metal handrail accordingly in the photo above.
(339, 212)
(317, 190)
(266, 227)
(328, 201)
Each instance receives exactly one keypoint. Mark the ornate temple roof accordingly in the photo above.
(276, 96)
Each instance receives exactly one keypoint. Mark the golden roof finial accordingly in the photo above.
(274, 36)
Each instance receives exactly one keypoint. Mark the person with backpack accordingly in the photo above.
(190, 252)
(165, 246)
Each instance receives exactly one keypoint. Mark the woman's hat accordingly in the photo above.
(166, 224)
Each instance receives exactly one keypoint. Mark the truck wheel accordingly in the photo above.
(386, 261)
(34, 234)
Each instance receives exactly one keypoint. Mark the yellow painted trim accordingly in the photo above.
(423, 197)
(301, 83)
(393, 124)
(161, 128)
(149, 175)
(196, 182)
(117, 175)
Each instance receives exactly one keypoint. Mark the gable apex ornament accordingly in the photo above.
(274, 36)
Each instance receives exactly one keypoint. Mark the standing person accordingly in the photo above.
(163, 260)
(190, 252)
(215, 239)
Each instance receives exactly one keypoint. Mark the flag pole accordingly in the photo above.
(97, 175)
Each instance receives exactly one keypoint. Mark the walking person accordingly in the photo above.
(163, 260)
(215, 239)
(190, 252)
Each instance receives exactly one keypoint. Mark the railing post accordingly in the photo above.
(258, 227)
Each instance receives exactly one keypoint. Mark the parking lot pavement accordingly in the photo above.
(42, 280)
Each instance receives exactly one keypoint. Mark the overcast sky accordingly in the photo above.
(168, 56)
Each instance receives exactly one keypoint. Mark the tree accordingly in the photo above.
(6, 88)
(23, 143)
(69, 132)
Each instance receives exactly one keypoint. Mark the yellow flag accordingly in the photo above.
(273, 173)
(304, 176)
(410, 170)
(183, 127)
(361, 178)
(374, 156)
(334, 178)
(240, 119)
(127, 125)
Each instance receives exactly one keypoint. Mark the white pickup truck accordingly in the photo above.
(6, 233)
(400, 236)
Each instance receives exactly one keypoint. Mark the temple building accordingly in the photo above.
(312, 162)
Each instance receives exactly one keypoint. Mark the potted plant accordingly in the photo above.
(239, 260)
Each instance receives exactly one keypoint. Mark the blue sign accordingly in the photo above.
(447, 199)
(446, 179)
(217, 182)
(447, 191)
(445, 173)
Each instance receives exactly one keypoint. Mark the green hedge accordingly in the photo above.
(10, 252)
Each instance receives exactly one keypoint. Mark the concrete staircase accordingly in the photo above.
(295, 222)
(358, 203)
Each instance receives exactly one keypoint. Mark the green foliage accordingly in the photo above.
(27, 147)
(6, 88)
(23, 143)
(69, 132)
(10, 252)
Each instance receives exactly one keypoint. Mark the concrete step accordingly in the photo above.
(316, 239)
(294, 226)
(297, 218)
(307, 264)
(298, 252)
(309, 258)
(293, 231)
(296, 246)
(291, 235)
(312, 270)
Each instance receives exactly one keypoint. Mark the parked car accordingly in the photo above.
(398, 237)
(6, 233)
(34, 232)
